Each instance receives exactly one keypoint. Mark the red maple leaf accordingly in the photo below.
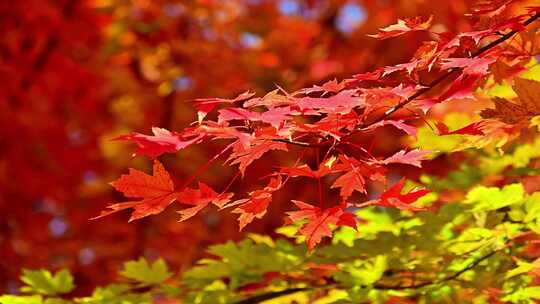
(461, 88)
(306, 171)
(409, 66)
(274, 116)
(254, 207)
(206, 105)
(270, 100)
(406, 91)
(413, 157)
(156, 192)
(229, 114)
(209, 128)
(319, 221)
(354, 178)
(502, 70)
(461, 39)
(398, 123)
(367, 76)
(331, 125)
(490, 8)
(474, 128)
(477, 66)
(257, 203)
(245, 156)
(403, 26)
(332, 86)
(393, 197)
(343, 103)
(163, 141)
(277, 116)
(199, 199)
(350, 182)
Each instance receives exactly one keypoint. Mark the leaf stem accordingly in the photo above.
(319, 185)
(231, 182)
(202, 168)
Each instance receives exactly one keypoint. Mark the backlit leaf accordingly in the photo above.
(156, 192)
(45, 283)
(146, 273)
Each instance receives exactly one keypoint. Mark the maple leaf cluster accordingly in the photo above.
(329, 118)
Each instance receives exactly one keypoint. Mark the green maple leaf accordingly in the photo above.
(45, 283)
(493, 198)
(143, 272)
(9, 299)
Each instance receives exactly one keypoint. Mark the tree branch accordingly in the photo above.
(440, 79)
(270, 295)
(300, 143)
(435, 282)
(276, 294)
(420, 92)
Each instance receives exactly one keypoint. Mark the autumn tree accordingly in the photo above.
(410, 182)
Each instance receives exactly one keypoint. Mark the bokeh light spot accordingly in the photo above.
(350, 17)
(182, 83)
(86, 256)
(289, 7)
(250, 40)
(58, 226)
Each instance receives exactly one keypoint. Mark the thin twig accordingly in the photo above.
(299, 143)
(436, 282)
(319, 184)
(270, 295)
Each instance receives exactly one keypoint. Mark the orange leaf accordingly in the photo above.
(508, 112)
(256, 205)
(200, 198)
(245, 157)
(403, 26)
(319, 221)
(393, 197)
(156, 192)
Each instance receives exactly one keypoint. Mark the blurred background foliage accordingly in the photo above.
(76, 73)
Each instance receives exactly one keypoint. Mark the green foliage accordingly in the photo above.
(518, 159)
(493, 198)
(524, 295)
(434, 255)
(116, 294)
(143, 272)
(45, 283)
(7, 299)
(361, 272)
(466, 242)
(429, 139)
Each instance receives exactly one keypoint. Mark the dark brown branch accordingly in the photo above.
(271, 295)
(435, 282)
